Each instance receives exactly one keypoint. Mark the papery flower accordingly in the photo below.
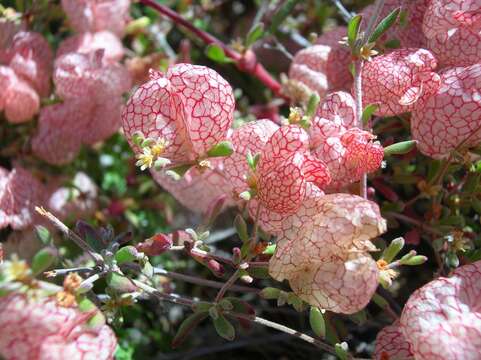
(348, 151)
(453, 29)
(38, 329)
(97, 15)
(187, 111)
(75, 201)
(391, 344)
(452, 116)
(20, 192)
(322, 251)
(91, 110)
(198, 188)
(398, 80)
(86, 43)
(441, 320)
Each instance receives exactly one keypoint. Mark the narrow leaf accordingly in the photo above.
(43, 259)
(368, 112)
(224, 328)
(393, 249)
(189, 324)
(384, 25)
(399, 148)
(241, 228)
(316, 319)
(415, 260)
(312, 105)
(216, 53)
(353, 30)
(254, 34)
(43, 235)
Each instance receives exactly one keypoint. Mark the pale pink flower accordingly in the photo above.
(198, 188)
(20, 192)
(90, 42)
(322, 251)
(39, 329)
(452, 116)
(442, 320)
(391, 344)
(453, 29)
(18, 99)
(347, 151)
(189, 110)
(97, 15)
(398, 80)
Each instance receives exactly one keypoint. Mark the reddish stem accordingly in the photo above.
(257, 70)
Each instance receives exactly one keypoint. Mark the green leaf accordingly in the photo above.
(259, 272)
(368, 112)
(312, 105)
(43, 259)
(380, 301)
(353, 30)
(43, 234)
(242, 307)
(415, 260)
(120, 283)
(224, 328)
(316, 319)
(241, 228)
(393, 249)
(181, 169)
(284, 11)
(224, 148)
(86, 305)
(187, 326)
(400, 148)
(216, 53)
(270, 293)
(254, 34)
(384, 25)
(342, 351)
(126, 254)
(270, 249)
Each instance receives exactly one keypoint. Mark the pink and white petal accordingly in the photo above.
(339, 107)
(21, 102)
(442, 320)
(452, 116)
(391, 344)
(316, 171)
(207, 101)
(321, 129)
(154, 111)
(60, 132)
(388, 77)
(339, 284)
(252, 138)
(105, 120)
(87, 42)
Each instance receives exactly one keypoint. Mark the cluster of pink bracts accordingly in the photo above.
(435, 75)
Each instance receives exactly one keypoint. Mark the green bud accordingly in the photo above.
(393, 249)
(415, 260)
(400, 148)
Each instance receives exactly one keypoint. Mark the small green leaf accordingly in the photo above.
(187, 326)
(393, 249)
(400, 148)
(353, 30)
(270, 249)
(126, 254)
(284, 11)
(120, 283)
(316, 319)
(270, 293)
(224, 148)
(86, 305)
(180, 170)
(312, 105)
(224, 328)
(415, 260)
(342, 351)
(216, 53)
(384, 25)
(43, 234)
(368, 112)
(241, 307)
(254, 34)
(259, 272)
(380, 301)
(241, 228)
(43, 259)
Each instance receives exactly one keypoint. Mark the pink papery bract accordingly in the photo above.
(398, 80)
(197, 189)
(97, 15)
(391, 344)
(322, 251)
(18, 99)
(190, 110)
(20, 192)
(309, 68)
(39, 329)
(442, 319)
(452, 117)
(453, 29)
(90, 42)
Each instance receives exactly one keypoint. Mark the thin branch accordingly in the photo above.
(359, 109)
(62, 272)
(415, 222)
(227, 285)
(256, 70)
